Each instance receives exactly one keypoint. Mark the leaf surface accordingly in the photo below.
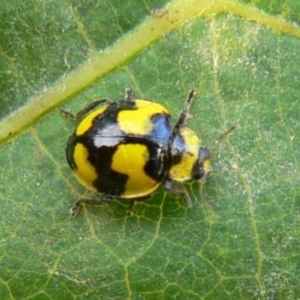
(240, 240)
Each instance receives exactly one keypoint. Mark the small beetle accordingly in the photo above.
(127, 148)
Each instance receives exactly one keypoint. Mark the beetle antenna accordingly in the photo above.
(221, 138)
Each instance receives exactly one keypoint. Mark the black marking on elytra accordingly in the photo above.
(108, 181)
(157, 165)
(72, 141)
(110, 116)
(177, 147)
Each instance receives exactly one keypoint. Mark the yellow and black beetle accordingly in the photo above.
(127, 148)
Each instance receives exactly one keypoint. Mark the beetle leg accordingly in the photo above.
(128, 93)
(178, 189)
(75, 207)
(68, 114)
(129, 209)
(185, 112)
(132, 202)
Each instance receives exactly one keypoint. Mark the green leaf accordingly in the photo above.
(240, 240)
